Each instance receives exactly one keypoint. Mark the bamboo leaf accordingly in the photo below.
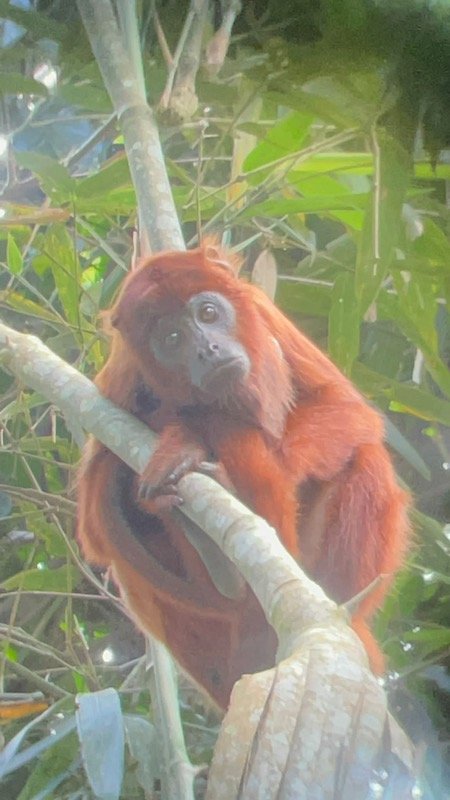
(343, 323)
(101, 734)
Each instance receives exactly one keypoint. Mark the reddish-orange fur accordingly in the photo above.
(299, 444)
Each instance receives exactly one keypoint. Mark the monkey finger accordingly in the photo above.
(165, 489)
(217, 471)
(150, 491)
(145, 491)
(187, 464)
(208, 467)
(166, 502)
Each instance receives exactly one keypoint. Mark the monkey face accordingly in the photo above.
(199, 340)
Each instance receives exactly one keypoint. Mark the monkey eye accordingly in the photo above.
(207, 312)
(172, 340)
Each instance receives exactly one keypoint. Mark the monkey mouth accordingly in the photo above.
(223, 377)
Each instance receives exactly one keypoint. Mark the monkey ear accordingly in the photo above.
(109, 319)
(215, 254)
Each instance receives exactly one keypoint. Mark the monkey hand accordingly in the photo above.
(177, 454)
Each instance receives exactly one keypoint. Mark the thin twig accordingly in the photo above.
(30, 675)
(162, 41)
(165, 97)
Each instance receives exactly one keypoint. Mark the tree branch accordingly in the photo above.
(157, 213)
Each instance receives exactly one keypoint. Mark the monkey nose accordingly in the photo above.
(209, 351)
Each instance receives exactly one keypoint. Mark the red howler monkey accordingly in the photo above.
(207, 361)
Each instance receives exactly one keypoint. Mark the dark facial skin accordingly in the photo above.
(200, 339)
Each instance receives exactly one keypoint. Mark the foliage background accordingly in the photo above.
(323, 139)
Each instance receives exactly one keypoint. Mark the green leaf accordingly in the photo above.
(336, 162)
(11, 760)
(344, 323)
(102, 739)
(429, 172)
(5, 504)
(23, 305)
(120, 201)
(142, 741)
(51, 445)
(211, 93)
(334, 101)
(418, 301)
(50, 534)
(319, 106)
(398, 442)
(66, 271)
(429, 527)
(422, 404)
(432, 247)
(351, 188)
(415, 401)
(286, 136)
(279, 206)
(296, 297)
(13, 256)
(408, 593)
(44, 580)
(39, 25)
(383, 220)
(53, 176)
(14, 83)
(113, 174)
(51, 769)
(22, 404)
(430, 639)
(390, 306)
(90, 97)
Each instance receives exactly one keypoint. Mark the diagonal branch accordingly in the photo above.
(179, 94)
(157, 213)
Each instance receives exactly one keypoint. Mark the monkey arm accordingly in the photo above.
(324, 430)
(263, 482)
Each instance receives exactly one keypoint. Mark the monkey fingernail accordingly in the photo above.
(166, 502)
(145, 492)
